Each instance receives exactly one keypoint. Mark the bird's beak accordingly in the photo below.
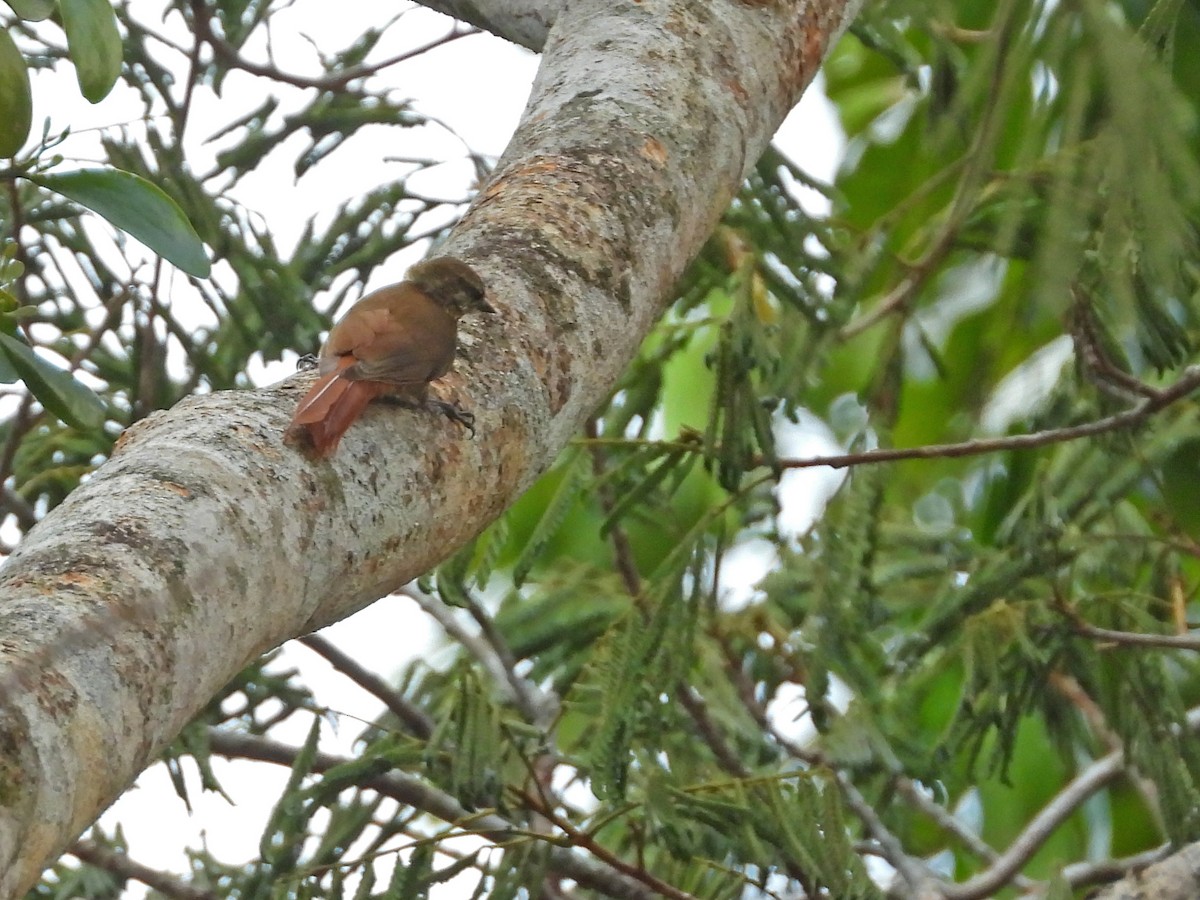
(486, 307)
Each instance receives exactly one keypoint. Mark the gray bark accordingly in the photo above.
(1175, 878)
(524, 22)
(206, 541)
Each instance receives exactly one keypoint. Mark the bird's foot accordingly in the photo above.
(306, 363)
(454, 413)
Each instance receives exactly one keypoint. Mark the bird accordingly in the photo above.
(390, 344)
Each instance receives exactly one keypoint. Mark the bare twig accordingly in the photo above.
(622, 551)
(538, 706)
(230, 55)
(1096, 361)
(414, 718)
(1039, 829)
(1070, 688)
(1137, 639)
(1136, 415)
(534, 704)
(582, 839)
(696, 707)
(950, 823)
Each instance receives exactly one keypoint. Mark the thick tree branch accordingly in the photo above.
(205, 540)
(524, 22)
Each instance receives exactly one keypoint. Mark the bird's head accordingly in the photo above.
(452, 284)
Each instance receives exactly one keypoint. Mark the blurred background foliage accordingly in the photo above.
(974, 666)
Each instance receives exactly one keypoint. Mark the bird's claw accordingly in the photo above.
(456, 414)
(306, 363)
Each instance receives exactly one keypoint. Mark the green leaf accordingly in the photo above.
(574, 481)
(1180, 479)
(8, 374)
(32, 10)
(138, 207)
(94, 43)
(16, 102)
(55, 389)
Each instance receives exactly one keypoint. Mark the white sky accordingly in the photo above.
(477, 86)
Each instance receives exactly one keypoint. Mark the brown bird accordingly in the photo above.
(391, 343)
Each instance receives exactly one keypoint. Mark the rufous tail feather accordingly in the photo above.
(330, 407)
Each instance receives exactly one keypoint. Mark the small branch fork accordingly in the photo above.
(201, 15)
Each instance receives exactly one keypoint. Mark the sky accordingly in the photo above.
(477, 86)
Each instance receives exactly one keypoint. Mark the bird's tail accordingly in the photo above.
(330, 407)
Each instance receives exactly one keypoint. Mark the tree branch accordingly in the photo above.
(205, 540)
(233, 58)
(1175, 878)
(121, 865)
(1134, 416)
(416, 793)
(524, 22)
(1034, 835)
(414, 718)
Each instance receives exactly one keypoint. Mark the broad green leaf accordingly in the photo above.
(32, 10)
(1180, 478)
(8, 374)
(55, 389)
(135, 205)
(94, 44)
(16, 102)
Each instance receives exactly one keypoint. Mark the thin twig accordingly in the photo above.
(1137, 639)
(1069, 687)
(539, 707)
(532, 702)
(1136, 415)
(626, 566)
(1096, 361)
(622, 549)
(696, 707)
(414, 718)
(232, 57)
(919, 877)
(584, 840)
(950, 823)
(1038, 831)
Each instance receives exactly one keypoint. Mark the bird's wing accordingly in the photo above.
(409, 350)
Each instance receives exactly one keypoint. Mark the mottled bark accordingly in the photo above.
(524, 22)
(1175, 878)
(206, 541)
